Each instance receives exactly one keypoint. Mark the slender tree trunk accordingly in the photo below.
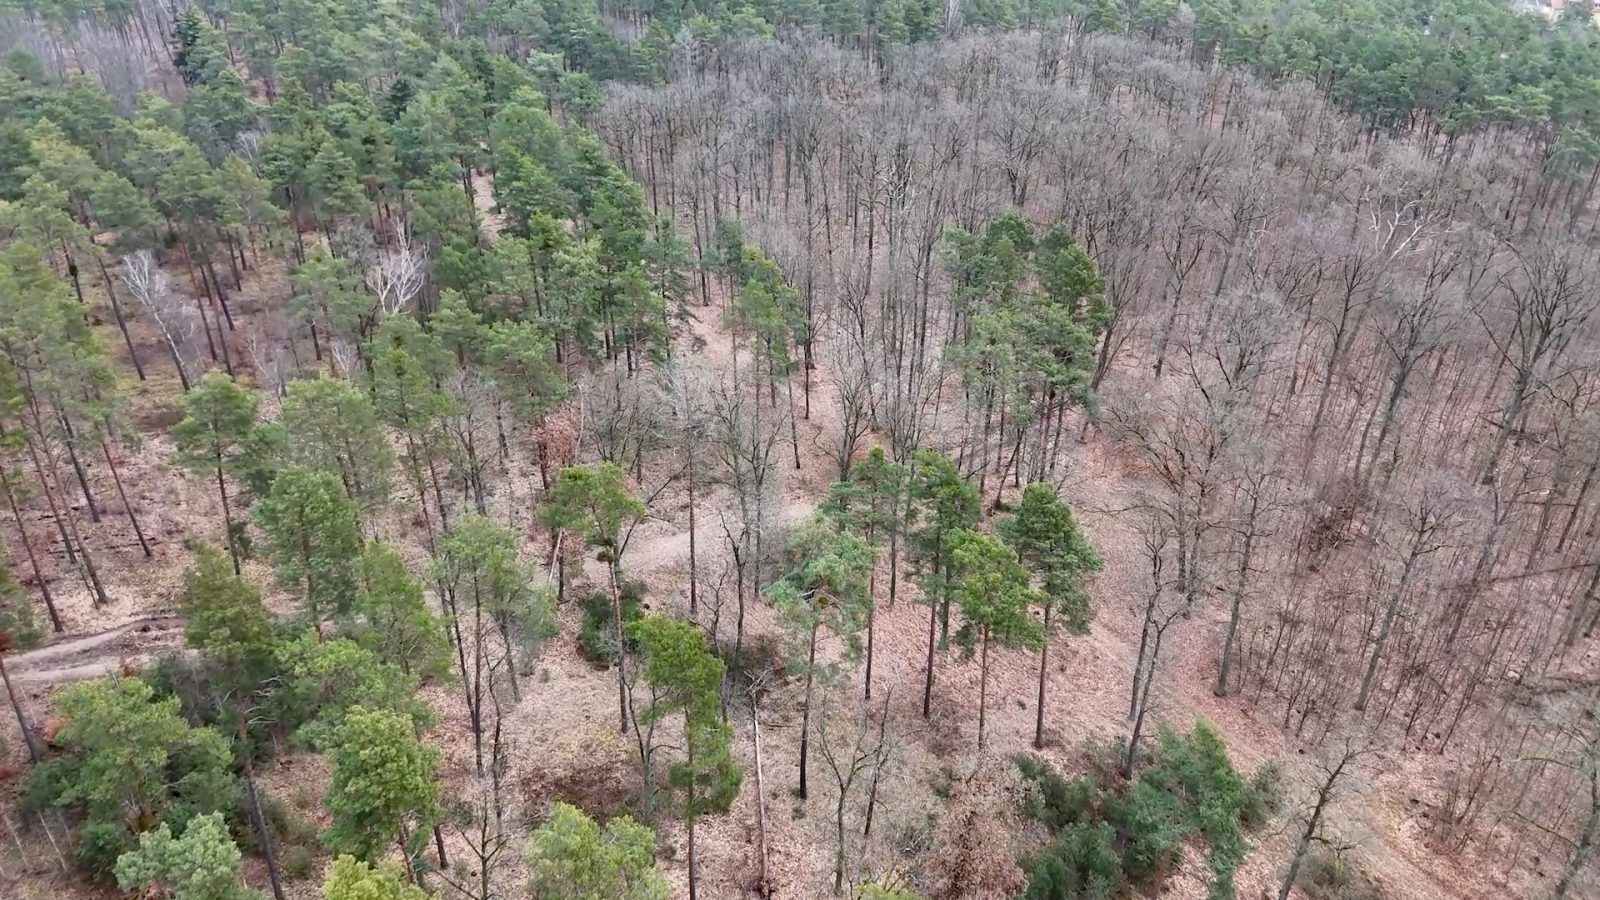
(1044, 662)
(872, 609)
(258, 819)
(1220, 689)
(69, 526)
(116, 478)
(927, 687)
(78, 470)
(1324, 796)
(116, 312)
(227, 517)
(1391, 612)
(35, 752)
(761, 801)
(622, 654)
(694, 580)
(33, 557)
(983, 687)
(805, 710)
(694, 868)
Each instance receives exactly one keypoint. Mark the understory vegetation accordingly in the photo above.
(1112, 836)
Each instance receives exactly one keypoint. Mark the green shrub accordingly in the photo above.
(291, 827)
(1149, 827)
(298, 861)
(16, 616)
(1189, 787)
(597, 638)
(129, 760)
(1266, 794)
(99, 845)
(1082, 864)
(1052, 800)
(1210, 796)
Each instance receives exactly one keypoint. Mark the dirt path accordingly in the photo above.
(92, 655)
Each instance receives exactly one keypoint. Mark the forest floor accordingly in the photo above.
(564, 741)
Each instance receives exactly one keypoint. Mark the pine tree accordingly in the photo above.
(572, 858)
(313, 539)
(824, 584)
(214, 437)
(408, 365)
(332, 425)
(1049, 542)
(328, 300)
(130, 762)
(685, 679)
(350, 879)
(224, 619)
(202, 864)
(871, 501)
(992, 589)
(595, 502)
(385, 791)
(395, 621)
(322, 679)
(945, 503)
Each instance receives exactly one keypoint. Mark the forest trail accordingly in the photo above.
(103, 652)
(136, 643)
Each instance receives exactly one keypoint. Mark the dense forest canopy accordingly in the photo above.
(895, 449)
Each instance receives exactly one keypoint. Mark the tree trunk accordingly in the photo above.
(872, 609)
(805, 709)
(35, 752)
(761, 802)
(33, 557)
(116, 312)
(82, 475)
(1044, 662)
(1391, 612)
(1324, 795)
(227, 518)
(691, 816)
(258, 819)
(622, 653)
(983, 687)
(694, 589)
(927, 687)
(116, 478)
(838, 849)
(1220, 689)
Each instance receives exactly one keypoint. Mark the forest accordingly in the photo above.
(884, 449)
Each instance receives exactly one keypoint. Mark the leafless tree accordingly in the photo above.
(851, 743)
(1425, 522)
(685, 391)
(173, 317)
(1340, 764)
(395, 280)
(1159, 611)
(1530, 319)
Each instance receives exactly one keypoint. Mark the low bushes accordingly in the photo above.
(1112, 835)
